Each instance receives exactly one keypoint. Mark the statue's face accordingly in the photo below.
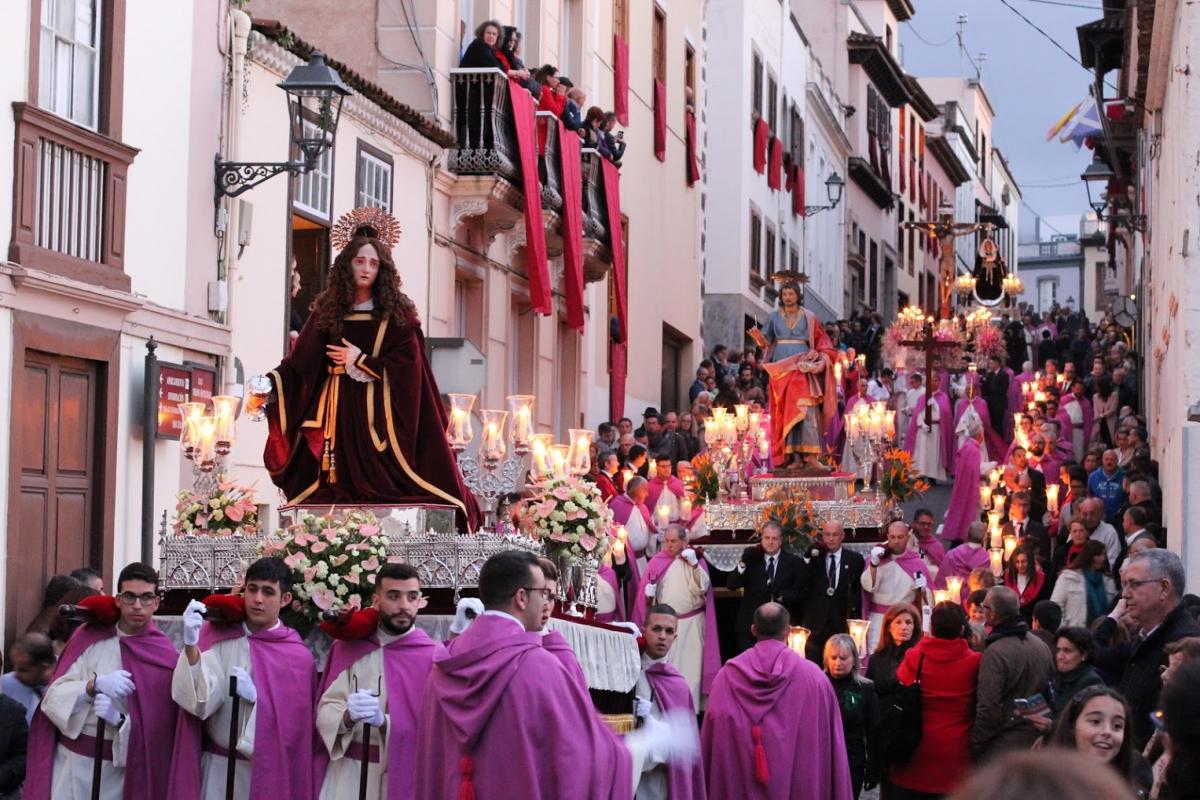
(365, 266)
(789, 297)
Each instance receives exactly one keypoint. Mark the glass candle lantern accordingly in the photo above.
(579, 460)
(189, 434)
(225, 409)
(797, 638)
(491, 443)
(520, 425)
(458, 430)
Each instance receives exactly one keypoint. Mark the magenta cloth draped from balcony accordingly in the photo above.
(572, 225)
(621, 79)
(660, 120)
(798, 191)
(775, 168)
(693, 164)
(525, 123)
(612, 200)
(762, 135)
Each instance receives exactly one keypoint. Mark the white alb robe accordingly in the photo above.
(70, 710)
(890, 585)
(685, 588)
(653, 783)
(203, 691)
(1075, 412)
(606, 598)
(927, 449)
(642, 538)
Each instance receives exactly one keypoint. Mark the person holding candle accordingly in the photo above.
(356, 415)
(969, 467)
(961, 561)
(1025, 577)
(1029, 531)
(630, 511)
(666, 491)
(607, 478)
(860, 710)
(932, 445)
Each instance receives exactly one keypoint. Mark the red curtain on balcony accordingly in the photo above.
(775, 169)
(525, 124)
(618, 368)
(798, 191)
(693, 164)
(572, 225)
(660, 120)
(621, 79)
(761, 135)
(612, 200)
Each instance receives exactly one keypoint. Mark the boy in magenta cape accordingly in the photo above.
(276, 681)
(125, 671)
(772, 728)
(375, 680)
(501, 718)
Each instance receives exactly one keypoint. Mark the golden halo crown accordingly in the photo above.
(382, 225)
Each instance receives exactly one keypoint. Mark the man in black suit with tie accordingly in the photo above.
(1021, 525)
(767, 574)
(831, 589)
(1019, 462)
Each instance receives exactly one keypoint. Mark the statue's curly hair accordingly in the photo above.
(337, 300)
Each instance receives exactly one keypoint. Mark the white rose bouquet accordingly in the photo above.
(569, 517)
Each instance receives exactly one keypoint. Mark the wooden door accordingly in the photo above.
(55, 438)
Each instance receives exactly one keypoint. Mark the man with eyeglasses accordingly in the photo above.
(376, 681)
(1152, 587)
(502, 718)
(121, 674)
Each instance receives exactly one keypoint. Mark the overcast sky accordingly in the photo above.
(1030, 82)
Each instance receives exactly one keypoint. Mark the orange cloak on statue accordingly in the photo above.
(800, 383)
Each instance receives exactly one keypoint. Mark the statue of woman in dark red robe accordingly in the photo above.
(356, 417)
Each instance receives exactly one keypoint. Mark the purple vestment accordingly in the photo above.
(407, 662)
(945, 426)
(285, 679)
(622, 507)
(712, 652)
(609, 576)
(672, 693)
(772, 711)
(502, 717)
(961, 562)
(656, 487)
(554, 643)
(964, 498)
(1089, 416)
(996, 447)
(150, 657)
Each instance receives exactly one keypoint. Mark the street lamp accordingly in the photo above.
(833, 190)
(1099, 173)
(315, 92)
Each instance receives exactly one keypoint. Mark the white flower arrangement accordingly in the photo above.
(569, 517)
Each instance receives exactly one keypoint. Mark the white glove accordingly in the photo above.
(193, 619)
(468, 609)
(689, 555)
(877, 553)
(245, 686)
(651, 590)
(670, 740)
(117, 684)
(629, 626)
(919, 581)
(741, 567)
(105, 710)
(364, 707)
(641, 707)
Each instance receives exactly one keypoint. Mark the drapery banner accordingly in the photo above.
(775, 170)
(761, 136)
(621, 79)
(798, 192)
(612, 201)
(693, 164)
(572, 225)
(660, 120)
(525, 124)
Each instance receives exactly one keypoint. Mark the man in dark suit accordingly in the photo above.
(767, 574)
(831, 589)
(1023, 527)
(993, 387)
(1019, 461)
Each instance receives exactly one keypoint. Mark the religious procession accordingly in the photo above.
(494, 455)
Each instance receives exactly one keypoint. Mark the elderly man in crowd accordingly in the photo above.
(1108, 484)
(1092, 511)
(896, 573)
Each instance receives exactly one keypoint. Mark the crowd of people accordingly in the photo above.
(498, 46)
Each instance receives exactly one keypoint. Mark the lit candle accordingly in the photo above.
(520, 429)
(685, 509)
(459, 428)
(837, 372)
(954, 587)
(996, 557)
(626, 476)
(1010, 544)
(993, 519)
(492, 446)
(858, 632)
(559, 460)
(997, 502)
(662, 515)
(1052, 498)
(940, 596)
(985, 496)
(225, 408)
(618, 547)
(996, 536)
(797, 639)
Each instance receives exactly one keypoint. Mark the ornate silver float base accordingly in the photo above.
(862, 511)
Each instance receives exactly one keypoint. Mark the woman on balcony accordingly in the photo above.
(485, 53)
(510, 48)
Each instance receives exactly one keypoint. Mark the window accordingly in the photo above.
(770, 264)
(983, 158)
(873, 279)
(796, 141)
(793, 259)
(912, 244)
(756, 85)
(689, 71)
(772, 103)
(312, 189)
(373, 184)
(1047, 293)
(69, 60)
(755, 249)
(660, 45)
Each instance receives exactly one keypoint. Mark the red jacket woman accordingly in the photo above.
(948, 678)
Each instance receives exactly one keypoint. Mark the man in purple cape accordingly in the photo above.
(119, 673)
(665, 489)
(629, 509)
(996, 448)
(964, 497)
(929, 463)
(678, 577)
(553, 641)
(501, 718)
(375, 681)
(772, 728)
(661, 690)
(276, 682)
(962, 561)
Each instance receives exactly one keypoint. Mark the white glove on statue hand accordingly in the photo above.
(117, 684)
(877, 554)
(245, 686)
(105, 710)
(651, 590)
(468, 609)
(689, 555)
(193, 619)
(919, 582)
(364, 707)
(641, 707)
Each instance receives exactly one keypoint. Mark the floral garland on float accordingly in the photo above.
(705, 482)
(228, 508)
(793, 513)
(898, 480)
(575, 528)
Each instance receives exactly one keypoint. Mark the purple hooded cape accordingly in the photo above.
(502, 717)
(997, 449)
(407, 662)
(1089, 415)
(285, 678)
(609, 576)
(711, 659)
(622, 507)
(773, 711)
(671, 692)
(554, 643)
(945, 425)
(657, 487)
(960, 562)
(151, 658)
(964, 498)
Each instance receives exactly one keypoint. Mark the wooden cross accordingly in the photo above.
(929, 344)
